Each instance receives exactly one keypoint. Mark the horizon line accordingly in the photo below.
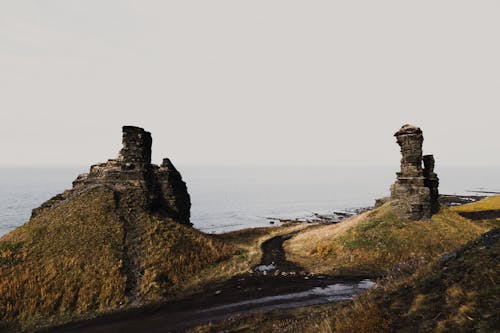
(244, 165)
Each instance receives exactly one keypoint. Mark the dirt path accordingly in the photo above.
(273, 255)
(285, 285)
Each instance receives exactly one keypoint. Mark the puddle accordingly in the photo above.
(318, 295)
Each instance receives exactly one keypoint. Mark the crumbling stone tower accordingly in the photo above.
(415, 192)
(138, 183)
(136, 150)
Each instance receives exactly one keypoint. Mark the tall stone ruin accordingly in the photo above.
(135, 181)
(415, 192)
(432, 182)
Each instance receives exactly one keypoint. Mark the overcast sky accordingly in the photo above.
(249, 82)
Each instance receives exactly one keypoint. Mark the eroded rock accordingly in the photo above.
(415, 192)
(135, 181)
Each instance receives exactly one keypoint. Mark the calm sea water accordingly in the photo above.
(230, 198)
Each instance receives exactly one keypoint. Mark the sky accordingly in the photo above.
(249, 82)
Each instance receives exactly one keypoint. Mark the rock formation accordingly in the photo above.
(119, 239)
(135, 181)
(432, 182)
(415, 192)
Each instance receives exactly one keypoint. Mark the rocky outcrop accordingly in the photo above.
(415, 192)
(135, 181)
(432, 182)
(175, 197)
(119, 239)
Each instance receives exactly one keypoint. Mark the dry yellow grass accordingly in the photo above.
(70, 262)
(74, 260)
(457, 295)
(63, 268)
(419, 294)
(172, 254)
(373, 242)
(248, 242)
(460, 294)
(489, 203)
(317, 240)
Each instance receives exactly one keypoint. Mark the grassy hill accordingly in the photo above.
(373, 242)
(489, 203)
(86, 256)
(439, 275)
(459, 293)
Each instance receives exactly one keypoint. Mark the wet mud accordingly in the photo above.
(279, 284)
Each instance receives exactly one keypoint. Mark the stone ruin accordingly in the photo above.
(415, 192)
(135, 181)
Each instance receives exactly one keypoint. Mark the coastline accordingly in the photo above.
(229, 198)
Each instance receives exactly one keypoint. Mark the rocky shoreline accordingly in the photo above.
(448, 200)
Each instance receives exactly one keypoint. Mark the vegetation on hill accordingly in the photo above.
(485, 212)
(433, 281)
(489, 203)
(85, 256)
(249, 253)
(458, 293)
(375, 241)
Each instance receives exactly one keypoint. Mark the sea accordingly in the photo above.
(226, 198)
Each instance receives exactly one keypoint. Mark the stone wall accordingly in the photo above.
(415, 192)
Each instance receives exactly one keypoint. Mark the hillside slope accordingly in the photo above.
(440, 275)
(373, 242)
(87, 256)
(459, 293)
